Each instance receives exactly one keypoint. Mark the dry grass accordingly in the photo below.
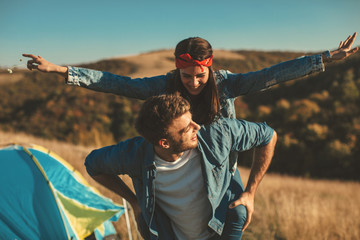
(286, 207)
(6, 77)
(297, 208)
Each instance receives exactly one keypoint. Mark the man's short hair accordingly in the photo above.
(156, 115)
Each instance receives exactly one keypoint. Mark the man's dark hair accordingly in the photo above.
(156, 115)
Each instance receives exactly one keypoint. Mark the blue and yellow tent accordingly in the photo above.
(43, 197)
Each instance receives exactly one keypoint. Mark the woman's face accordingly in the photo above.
(194, 79)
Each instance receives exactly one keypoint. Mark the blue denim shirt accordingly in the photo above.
(135, 157)
(230, 85)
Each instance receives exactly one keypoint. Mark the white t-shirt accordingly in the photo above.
(181, 193)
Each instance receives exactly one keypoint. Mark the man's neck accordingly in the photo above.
(166, 154)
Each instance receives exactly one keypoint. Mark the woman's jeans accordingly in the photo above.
(235, 217)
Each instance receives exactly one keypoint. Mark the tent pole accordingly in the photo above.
(127, 219)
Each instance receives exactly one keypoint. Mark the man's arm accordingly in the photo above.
(117, 185)
(105, 164)
(261, 162)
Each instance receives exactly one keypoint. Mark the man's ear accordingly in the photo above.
(164, 143)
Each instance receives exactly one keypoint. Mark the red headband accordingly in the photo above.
(185, 60)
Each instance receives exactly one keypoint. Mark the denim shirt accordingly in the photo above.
(230, 85)
(135, 157)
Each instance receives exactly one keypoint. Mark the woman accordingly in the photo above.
(209, 92)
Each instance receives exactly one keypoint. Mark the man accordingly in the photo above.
(184, 185)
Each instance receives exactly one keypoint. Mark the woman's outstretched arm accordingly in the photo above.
(241, 84)
(138, 88)
(39, 63)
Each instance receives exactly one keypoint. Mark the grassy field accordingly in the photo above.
(286, 207)
(297, 208)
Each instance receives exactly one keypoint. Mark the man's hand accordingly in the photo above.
(137, 213)
(261, 161)
(117, 185)
(344, 50)
(138, 219)
(247, 200)
(39, 63)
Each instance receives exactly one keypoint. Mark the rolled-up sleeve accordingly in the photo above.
(139, 88)
(245, 135)
(237, 84)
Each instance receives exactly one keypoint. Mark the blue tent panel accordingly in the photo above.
(62, 177)
(43, 197)
(25, 198)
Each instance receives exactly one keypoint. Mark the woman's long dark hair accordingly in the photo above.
(205, 107)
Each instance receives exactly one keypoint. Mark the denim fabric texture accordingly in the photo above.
(135, 157)
(230, 85)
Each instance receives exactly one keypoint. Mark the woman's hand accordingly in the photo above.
(39, 63)
(343, 51)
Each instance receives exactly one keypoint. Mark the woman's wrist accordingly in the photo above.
(63, 71)
(326, 56)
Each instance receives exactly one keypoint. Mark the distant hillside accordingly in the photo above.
(317, 118)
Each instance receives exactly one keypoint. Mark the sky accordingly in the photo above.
(71, 32)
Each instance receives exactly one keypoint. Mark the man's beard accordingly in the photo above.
(179, 147)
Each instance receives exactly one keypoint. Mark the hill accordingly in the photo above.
(317, 118)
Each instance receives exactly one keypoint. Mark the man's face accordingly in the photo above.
(182, 133)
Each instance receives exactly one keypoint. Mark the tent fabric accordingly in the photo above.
(25, 199)
(104, 231)
(43, 197)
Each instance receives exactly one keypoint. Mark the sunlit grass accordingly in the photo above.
(297, 208)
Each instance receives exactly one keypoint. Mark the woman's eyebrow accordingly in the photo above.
(185, 74)
(189, 75)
